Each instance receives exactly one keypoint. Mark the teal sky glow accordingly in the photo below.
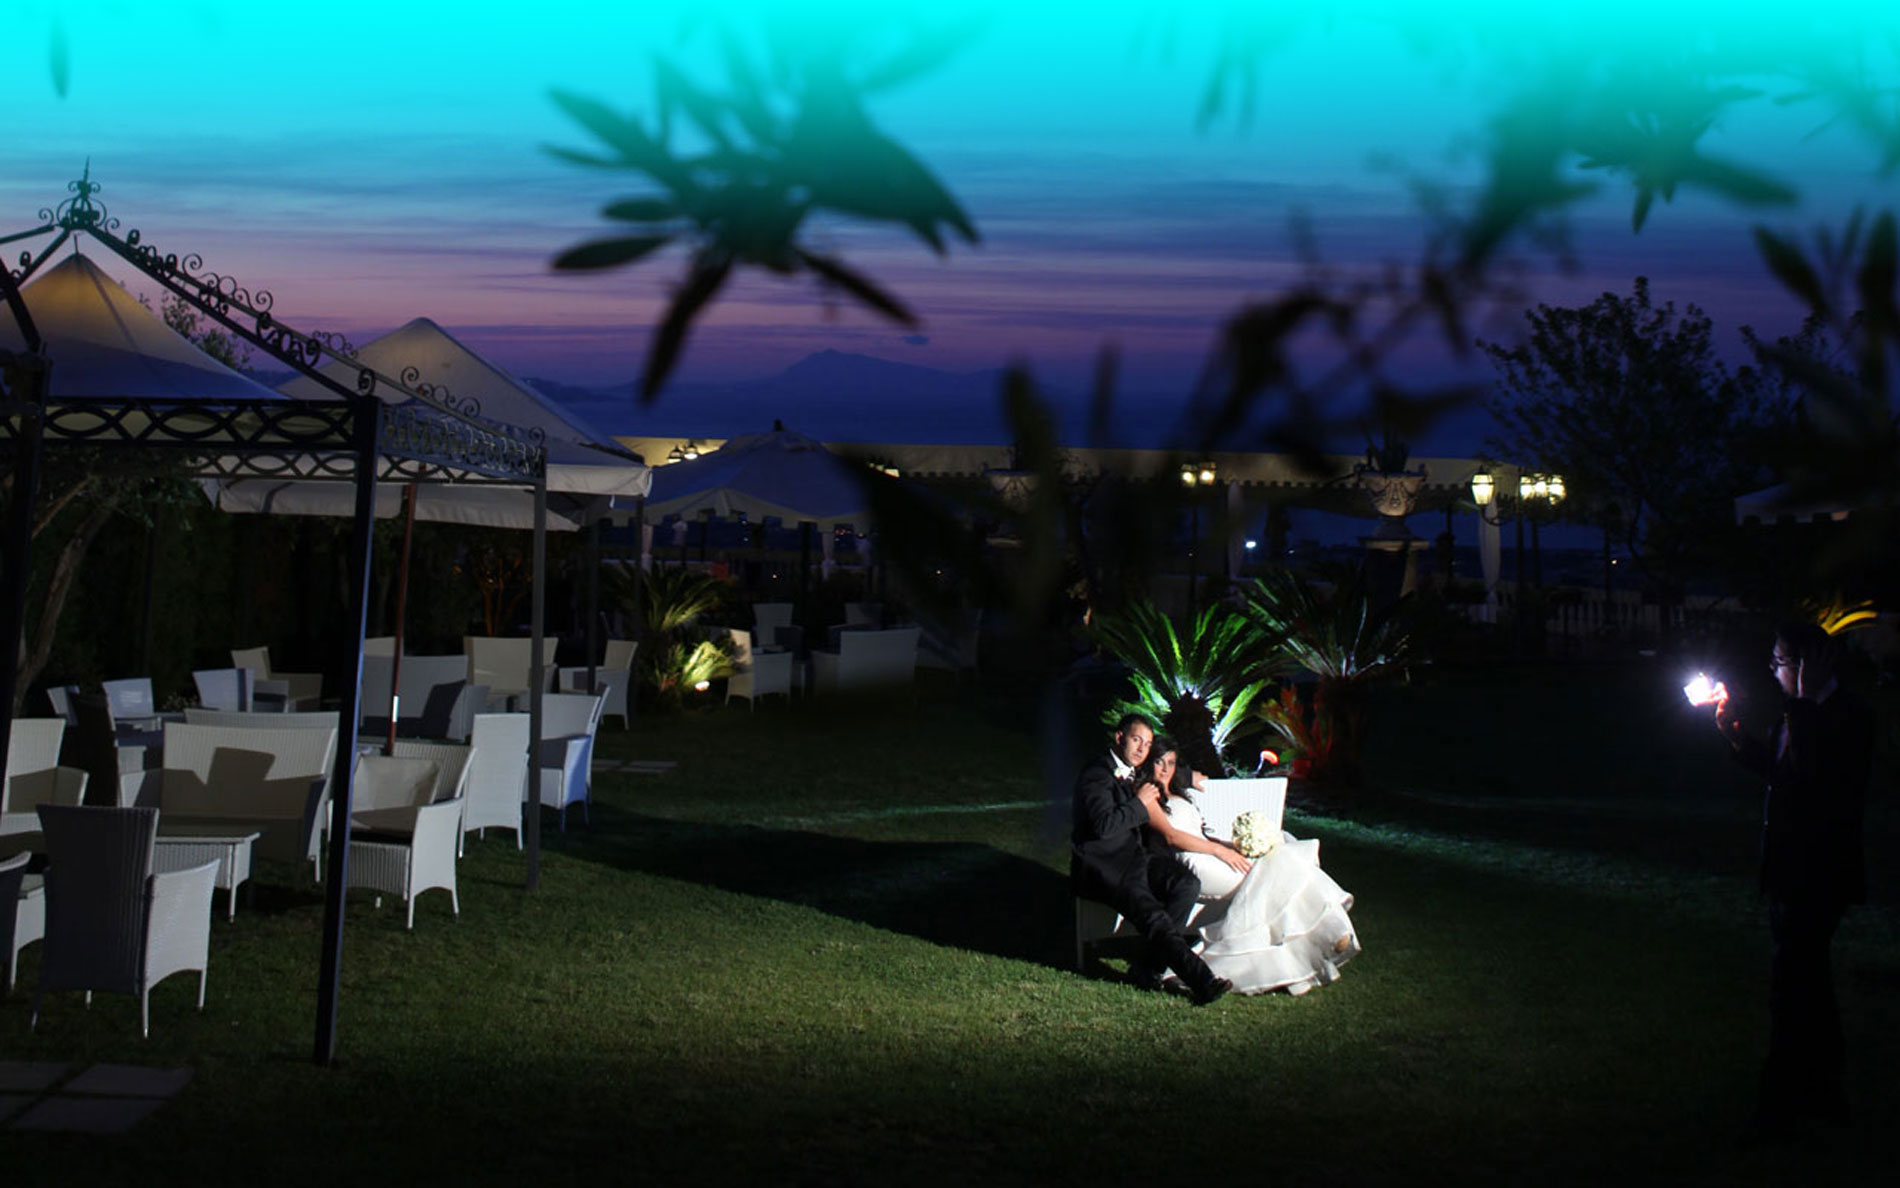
(374, 163)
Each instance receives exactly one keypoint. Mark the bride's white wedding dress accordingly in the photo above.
(1284, 927)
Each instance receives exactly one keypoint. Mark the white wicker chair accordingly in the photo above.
(450, 759)
(32, 746)
(225, 768)
(767, 618)
(227, 689)
(130, 703)
(495, 782)
(111, 924)
(867, 660)
(612, 679)
(61, 697)
(22, 911)
(504, 664)
(405, 866)
(757, 674)
(568, 724)
(300, 690)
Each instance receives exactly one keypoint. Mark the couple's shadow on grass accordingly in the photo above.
(964, 895)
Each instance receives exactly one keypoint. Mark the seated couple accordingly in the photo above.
(1277, 922)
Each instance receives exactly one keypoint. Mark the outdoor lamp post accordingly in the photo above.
(1195, 475)
(1536, 495)
(1484, 493)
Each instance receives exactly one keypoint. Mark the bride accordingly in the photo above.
(1277, 922)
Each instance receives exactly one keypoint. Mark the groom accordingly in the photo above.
(1109, 863)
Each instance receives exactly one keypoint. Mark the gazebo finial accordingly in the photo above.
(80, 211)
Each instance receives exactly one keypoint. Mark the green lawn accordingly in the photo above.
(832, 946)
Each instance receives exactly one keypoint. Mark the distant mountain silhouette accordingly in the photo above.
(832, 395)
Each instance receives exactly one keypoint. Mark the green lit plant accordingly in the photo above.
(1341, 635)
(1199, 685)
(669, 605)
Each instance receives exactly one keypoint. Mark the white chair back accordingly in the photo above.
(392, 781)
(61, 697)
(97, 864)
(768, 617)
(33, 745)
(495, 782)
(620, 653)
(1224, 800)
(226, 689)
(129, 698)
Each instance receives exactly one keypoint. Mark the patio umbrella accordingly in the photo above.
(780, 473)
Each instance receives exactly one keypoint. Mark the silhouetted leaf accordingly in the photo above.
(613, 129)
(858, 286)
(1791, 268)
(708, 273)
(1875, 281)
(929, 51)
(60, 60)
(1639, 213)
(576, 157)
(642, 210)
(676, 90)
(608, 253)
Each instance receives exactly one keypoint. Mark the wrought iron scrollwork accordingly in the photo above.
(80, 212)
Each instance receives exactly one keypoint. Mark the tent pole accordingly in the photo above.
(368, 431)
(805, 528)
(402, 605)
(593, 595)
(27, 376)
(538, 603)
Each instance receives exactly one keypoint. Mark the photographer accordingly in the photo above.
(1816, 761)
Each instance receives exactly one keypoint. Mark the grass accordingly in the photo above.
(831, 947)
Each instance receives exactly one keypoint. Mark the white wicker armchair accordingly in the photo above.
(757, 674)
(390, 862)
(568, 724)
(300, 690)
(22, 911)
(495, 782)
(111, 924)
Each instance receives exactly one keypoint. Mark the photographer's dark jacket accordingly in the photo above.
(1817, 763)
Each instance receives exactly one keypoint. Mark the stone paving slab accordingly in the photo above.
(91, 1115)
(128, 1080)
(29, 1076)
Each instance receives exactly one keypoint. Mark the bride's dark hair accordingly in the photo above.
(1163, 745)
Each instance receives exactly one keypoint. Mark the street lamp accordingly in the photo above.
(1536, 494)
(1193, 475)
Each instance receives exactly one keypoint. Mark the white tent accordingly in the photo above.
(582, 464)
(779, 473)
(107, 346)
(1772, 504)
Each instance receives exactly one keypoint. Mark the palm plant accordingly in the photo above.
(1338, 632)
(1199, 687)
(669, 604)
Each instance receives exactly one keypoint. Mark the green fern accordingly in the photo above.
(1200, 686)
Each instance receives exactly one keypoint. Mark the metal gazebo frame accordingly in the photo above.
(430, 438)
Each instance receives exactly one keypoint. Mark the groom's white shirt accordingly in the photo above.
(1122, 770)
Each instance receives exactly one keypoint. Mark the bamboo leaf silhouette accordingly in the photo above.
(1792, 269)
(709, 272)
(608, 253)
(641, 210)
(858, 286)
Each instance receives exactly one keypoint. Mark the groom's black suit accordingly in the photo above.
(1109, 862)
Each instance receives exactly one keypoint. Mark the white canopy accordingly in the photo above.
(780, 473)
(580, 461)
(442, 503)
(104, 345)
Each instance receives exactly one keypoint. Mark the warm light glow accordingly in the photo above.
(1207, 474)
(1556, 488)
(1252, 545)
(1188, 476)
(1701, 691)
(702, 686)
(1482, 489)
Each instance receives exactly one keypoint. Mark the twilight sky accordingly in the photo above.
(369, 163)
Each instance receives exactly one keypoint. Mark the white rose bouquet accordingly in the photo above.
(1254, 835)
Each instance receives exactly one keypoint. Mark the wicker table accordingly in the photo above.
(194, 844)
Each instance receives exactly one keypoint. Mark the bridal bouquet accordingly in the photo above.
(1254, 834)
